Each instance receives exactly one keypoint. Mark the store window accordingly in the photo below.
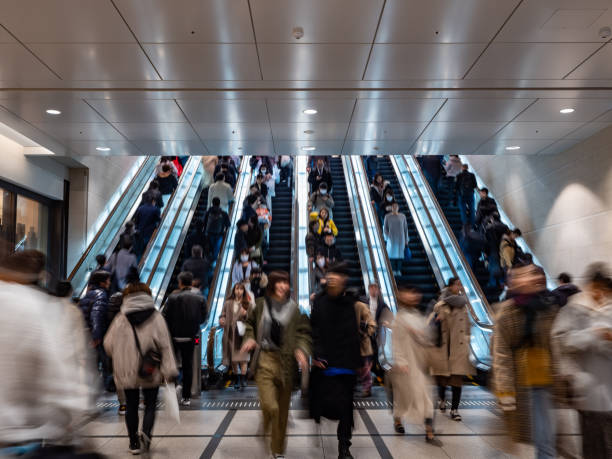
(31, 229)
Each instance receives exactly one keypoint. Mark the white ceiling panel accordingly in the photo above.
(6, 37)
(606, 117)
(171, 147)
(64, 21)
(481, 110)
(498, 146)
(138, 110)
(442, 21)
(313, 61)
(302, 131)
(233, 131)
(386, 131)
(228, 147)
(117, 148)
(530, 60)
(557, 21)
(323, 21)
(438, 130)
(396, 110)
(225, 110)
(444, 147)
(376, 147)
(440, 61)
(17, 64)
(323, 147)
(33, 110)
(559, 146)
(96, 62)
(204, 62)
(538, 130)
(587, 130)
(597, 67)
(80, 131)
(549, 110)
(157, 131)
(188, 21)
(292, 110)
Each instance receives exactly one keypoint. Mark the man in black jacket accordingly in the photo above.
(336, 355)
(464, 188)
(486, 207)
(198, 266)
(147, 217)
(152, 194)
(329, 250)
(319, 175)
(216, 224)
(184, 312)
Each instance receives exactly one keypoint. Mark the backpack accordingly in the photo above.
(520, 257)
(150, 361)
(215, 223)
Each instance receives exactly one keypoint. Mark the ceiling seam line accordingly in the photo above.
(255, 39)
(427, 125)
(191, 125)
(492, 40)
(382, 10)
(270, 124)
(31, 52)
(348, 128)
(114, 127)
(136, 39)
(586, 59)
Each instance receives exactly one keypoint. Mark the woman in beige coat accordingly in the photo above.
(139, 325)
(450, 361)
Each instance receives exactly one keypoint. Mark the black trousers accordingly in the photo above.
(596, 429)
(185, 350)
(132, 399)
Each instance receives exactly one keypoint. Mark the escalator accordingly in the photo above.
(418, 270)
(278, 256)
(344, 222)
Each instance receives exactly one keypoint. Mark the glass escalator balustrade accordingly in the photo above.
(301, 190)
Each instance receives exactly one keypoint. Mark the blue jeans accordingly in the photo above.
(215, 241)
(543, 422)
(466, 209)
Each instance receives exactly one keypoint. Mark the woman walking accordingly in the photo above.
(396, 234)
(232, 319)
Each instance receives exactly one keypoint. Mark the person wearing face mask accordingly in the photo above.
(260, 186)
(386, 205)
(326, 223)
(320, 199)
(243, 267)
(329, 250)
(320, 271)
(255, 239)
(319, 175)
(377, 191)
(280, 335)
(270, 181)
(240, 240)
(313, 238)
(395, 230)
(258, 281)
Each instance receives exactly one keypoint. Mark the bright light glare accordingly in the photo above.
(103, 148)
(53, 111)
(513, 147)
(308, 148)
(310, 111)
(565, 111)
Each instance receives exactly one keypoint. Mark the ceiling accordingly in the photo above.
(159, 77)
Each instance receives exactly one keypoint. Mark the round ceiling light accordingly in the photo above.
(513, 147)
(53, 111)
(308, 148)
(310, 111)
(308, 131)
(565, 111)
(103, 148)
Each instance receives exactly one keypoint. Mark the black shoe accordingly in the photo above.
(455, 416)
(135, 448)
(343, 450)
(145, 441)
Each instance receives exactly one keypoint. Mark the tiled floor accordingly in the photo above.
(237, 433)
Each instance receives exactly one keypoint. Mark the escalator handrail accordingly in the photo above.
(106, 220)
(295, 242)
(479, 323)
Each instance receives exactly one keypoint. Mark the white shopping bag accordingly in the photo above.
(171, 402)
(241, 326)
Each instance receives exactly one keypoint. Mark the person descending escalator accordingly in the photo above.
(199, 267)
(320, 174)
(321, 199)
(258, 282)
(313, 239)
(152, 194)
(326, 224)
(120, 263)
(215, 225)
(378, 194)
(166, 161)
(464, 190)
(487, 207)
(329, 250)
(167, 180)
(241, 272)
(382, 316)
(147, 218)
(395, 230)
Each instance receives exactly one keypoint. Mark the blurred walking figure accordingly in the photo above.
(582, 334)
(523, 368)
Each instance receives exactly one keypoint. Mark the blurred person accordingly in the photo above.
(566, 289)
(100, 262)
(265, 220)
(114, 306)
(240, 239)
(367, 329)
(260, 186)
(197, 236)
(453, 166)
(450, 362)
(138, 339)
(146, 218)
(371, 165)
(184, 312)
(329, 250)
(494, 232)
(464, 190)
(241, 271)
(320, 174)
(582, 335)
(336, 356)
(487, 207)
(253, 191)
(121, 262)
(129, 232)
(320, 272)
(198, 266)
(397, 238)
(382, 316)
(432, 170)
(216, 224)
(411, 382)
(258, 163)
(258, 282)
(313, 239)
(523, 368)
(249, 209)
(255, 239)
(235, 309)
(166, 161)
(167, 180)
(229, 174)
(221, 190)
(321, 199)
(377, 193)
(508, 249)
(281, 334)
(152, 194)
(286, 169)
(326, 224)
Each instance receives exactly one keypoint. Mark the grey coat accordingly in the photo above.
(395, 230)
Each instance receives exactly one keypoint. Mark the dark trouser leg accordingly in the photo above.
(596, 430)
(132, 398)
(345, 424)
(442, 392)
(186, 350)
(150, 400)
(456, 397)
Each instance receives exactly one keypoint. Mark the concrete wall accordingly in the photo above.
(562, 202)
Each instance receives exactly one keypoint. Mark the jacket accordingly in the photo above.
(316, 177)
(152, 195)
(453, 167)
(330, 252)
(313, 242)
(240, 242)
(199, 267)
(167, 183)
(231, 340)
(466, 183)
(248, 212)
(328, 223)
(139, 310)
(223, 191)
(395, 229)
(147, 218)
(367, 328)
(564, 292)
(120, 264)
(378, 194)
(486, 207)
(507, 250)
(238, 273)
(216, 221)
(317, 201)
(184, 312)
(94, 306)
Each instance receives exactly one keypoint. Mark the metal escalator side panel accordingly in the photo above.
(301, 264)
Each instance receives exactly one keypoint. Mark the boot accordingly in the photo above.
(243, 382)
(343, 449)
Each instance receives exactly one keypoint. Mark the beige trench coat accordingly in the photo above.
(231, 340)
(362, 311)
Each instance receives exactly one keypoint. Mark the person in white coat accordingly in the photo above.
(395, 229)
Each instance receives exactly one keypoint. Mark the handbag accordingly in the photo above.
(150, 361)
(407, 254)
(240, 327)
(171, 402)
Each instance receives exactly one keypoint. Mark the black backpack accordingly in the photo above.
(214, 224)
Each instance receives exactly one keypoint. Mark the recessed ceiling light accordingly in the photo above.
(513, 147)
(53, 111)
(310, 111)
(308, 131)
(103, 148)
(565, 111)
(308, 148)
(375, 148)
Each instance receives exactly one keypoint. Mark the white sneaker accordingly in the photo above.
(185, 402)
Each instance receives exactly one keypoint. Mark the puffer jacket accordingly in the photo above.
(94, 306)
(184, 312)
(139, 310)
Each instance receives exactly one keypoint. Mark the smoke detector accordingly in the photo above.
(605, 33)
(298, 33)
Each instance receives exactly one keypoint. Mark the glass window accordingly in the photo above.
(31, 225)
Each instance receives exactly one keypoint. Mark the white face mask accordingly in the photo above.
(263, 171)
(389, 198)
(244, 258)
(323, 191)
(321, 262)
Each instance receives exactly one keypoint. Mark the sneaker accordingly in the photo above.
(134, 448)
(185, 402)
(122, 410)
(399, 428)
(442, 406)
(455, 416)
(145, 440)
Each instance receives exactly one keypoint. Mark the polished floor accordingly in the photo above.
(227, 424)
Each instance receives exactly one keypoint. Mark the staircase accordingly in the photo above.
(278, 256)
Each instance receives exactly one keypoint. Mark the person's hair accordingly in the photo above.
(216, 202)
(244, 303)
(328, 232)
(485, 190)
(99, 277)
(407, 287)
(322, 186)
(599, 274)
(129, 225)
(251, 199)
(101, 259)
(312, 224)
(219, 177)
(133, 276)
(242, 222)
(465, 166)
(274, 278)
(326, 211)
(451, 281)
(185, 278)
(166, 168)
(517, 232)
(245, 250)
(154, 185)
(389, 191)
(137, 287)
(376, 177)
(197, 251)
(564, 278)
(23, 266)
(259, 176)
